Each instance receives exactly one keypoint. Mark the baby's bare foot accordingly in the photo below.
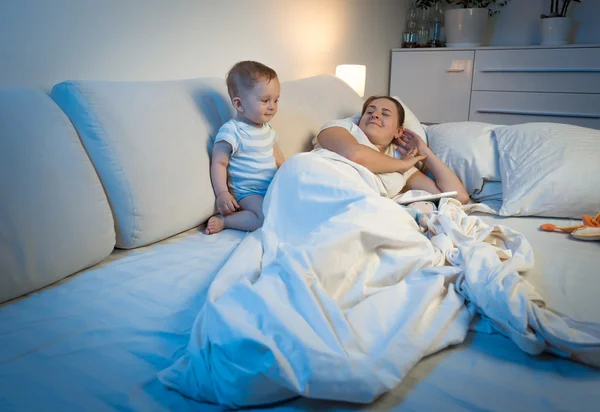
(215, 225)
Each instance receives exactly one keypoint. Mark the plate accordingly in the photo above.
(587, 233)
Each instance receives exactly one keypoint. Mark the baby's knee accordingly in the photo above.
(261, 219)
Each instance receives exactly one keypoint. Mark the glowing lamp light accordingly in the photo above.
(354, 75)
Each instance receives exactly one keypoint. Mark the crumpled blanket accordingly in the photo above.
(339, 294)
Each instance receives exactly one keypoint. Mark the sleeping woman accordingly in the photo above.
(370, 145)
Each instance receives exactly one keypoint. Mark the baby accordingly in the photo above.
(245, 149)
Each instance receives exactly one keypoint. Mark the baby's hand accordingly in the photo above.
(226, 204)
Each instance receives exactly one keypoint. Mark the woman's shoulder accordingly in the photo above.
(346, 123)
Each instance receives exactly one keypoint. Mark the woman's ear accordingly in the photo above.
(237, 104)
(400, 132)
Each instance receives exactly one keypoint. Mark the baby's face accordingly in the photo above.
(260, 104)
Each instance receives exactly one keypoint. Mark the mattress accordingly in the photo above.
(97, 340)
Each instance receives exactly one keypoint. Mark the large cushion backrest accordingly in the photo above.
(54, 215)
(307, 104)
(149, 143)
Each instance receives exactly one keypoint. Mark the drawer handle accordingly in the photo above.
(534, 113)
(574, 70)
(458, 66)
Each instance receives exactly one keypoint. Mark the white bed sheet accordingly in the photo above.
(567, 270)
(488, 372)
(97, 341)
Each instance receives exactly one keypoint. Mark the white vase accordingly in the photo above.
(465, 27)
(556, 30)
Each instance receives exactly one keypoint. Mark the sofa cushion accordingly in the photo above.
(307, 104)
(149, 143)
(54, 216)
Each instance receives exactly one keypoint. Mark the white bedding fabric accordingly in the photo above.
(566, 271)
(349, 295)
(97, 340)
(563, 180)
(474, 166)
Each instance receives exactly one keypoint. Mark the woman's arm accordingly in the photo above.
(445, 179)
(340, 141)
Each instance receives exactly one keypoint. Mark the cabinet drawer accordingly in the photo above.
(512, 108)
(436, 85)
(574, 70)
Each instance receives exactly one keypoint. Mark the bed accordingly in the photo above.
(100, 338)
(118, 325)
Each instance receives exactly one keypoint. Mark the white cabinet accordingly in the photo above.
(436, 85)
(516, 107)
(500, 85)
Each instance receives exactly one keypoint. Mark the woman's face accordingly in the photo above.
(380, 122)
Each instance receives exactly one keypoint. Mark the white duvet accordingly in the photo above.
(339, 294)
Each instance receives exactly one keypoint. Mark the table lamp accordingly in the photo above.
(354, 75)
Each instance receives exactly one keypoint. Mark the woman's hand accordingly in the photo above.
(226, 204)
(410, 140)
(410, 158)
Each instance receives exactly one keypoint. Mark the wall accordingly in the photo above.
(519, 22)
(43, 42)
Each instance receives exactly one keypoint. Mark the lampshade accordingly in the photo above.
(354, 75)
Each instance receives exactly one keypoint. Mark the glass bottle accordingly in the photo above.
(409, 37)
(436, 25)
(422, 27)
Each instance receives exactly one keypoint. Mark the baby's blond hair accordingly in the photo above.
(244, 75)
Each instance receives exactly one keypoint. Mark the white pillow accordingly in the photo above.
(410, 120)
(469, 150)
(549, 169)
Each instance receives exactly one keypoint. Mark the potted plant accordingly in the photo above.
(556, 26)
(465, 24)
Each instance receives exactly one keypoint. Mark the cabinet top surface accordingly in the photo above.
(430, 49)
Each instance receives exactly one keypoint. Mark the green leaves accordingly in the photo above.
(425, 4)
(493, 6)
(556, 11)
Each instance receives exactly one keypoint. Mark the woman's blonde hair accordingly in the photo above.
(399, 108)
